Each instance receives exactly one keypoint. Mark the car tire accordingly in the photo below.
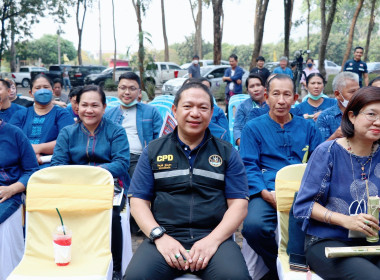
(25, 83)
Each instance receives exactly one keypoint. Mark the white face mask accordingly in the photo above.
(195, 62)
(345, 102)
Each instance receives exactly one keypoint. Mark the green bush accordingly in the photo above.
(110, 85)
(150, 90)
(219, 95)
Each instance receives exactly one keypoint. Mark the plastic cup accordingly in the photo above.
(62, 245)
(373, 209)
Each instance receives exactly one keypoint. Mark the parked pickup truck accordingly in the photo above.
(24, 76)
(158, 73)
(55, 71)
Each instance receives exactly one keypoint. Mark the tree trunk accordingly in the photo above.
(4, 17)
(13, 63)
(260, 13)
(80, 27)
(288, 8)
(114, 40)
(164, 31)
(198, 28)
(308, 26)
(141, 52)
(370, 29)
(325, 32)
(351, 33)
(217, 7)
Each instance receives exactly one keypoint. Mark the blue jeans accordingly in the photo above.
(259, 230)
(66, 83)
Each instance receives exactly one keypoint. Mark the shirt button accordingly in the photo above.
(185, 148)
(189, 157)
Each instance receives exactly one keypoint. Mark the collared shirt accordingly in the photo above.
(358, 67)
(287, 71)
(262, 72)
(194, 70)
(142, 184)
(329, 121)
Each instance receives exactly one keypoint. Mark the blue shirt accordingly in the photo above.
(333, 179)
(148, 121)
(238, 75)
(242, 113)
(7, 114)
(18, 162)
(305, 108)
(287, 71)
(54, 121)
(142, 184)
(358, 67)
(107, 148)
(195, 70)
(265, 148)
(329, 121)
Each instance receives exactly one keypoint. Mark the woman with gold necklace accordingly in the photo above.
(340, 176)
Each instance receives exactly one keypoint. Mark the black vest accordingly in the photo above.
(189, 204)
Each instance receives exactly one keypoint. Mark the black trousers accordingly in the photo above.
(367, 268)
(117, 236)
(148, 263)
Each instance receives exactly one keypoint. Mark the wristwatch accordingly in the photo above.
(156, 232)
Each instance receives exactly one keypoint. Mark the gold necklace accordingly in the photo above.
(363, 174)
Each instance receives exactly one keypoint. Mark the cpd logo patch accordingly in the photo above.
(215, 160)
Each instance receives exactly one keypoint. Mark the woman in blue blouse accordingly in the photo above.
(97, 141)
(42, 122)
(333, 196)
(316, 100)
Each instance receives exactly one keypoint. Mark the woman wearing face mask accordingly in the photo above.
(305, 73)
(42, 122)
(316, 100)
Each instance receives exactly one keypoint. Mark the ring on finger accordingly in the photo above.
(201, 259)
(177, 255)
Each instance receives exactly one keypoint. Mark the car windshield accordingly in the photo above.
(373, 66)
(108, 70)
(205, 70)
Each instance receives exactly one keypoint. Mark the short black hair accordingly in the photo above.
(189, 85)
(196, 56)
(374, 80)
(197, 80)
(309, 58)
(360, 99)
(57, 80)
(41, 76)
(234, 56)
(358, 47)
(260, 58)
(308, 78)
(92, 88)
(254, 76)
(74, 91)
(130, 76)
(5, 83)
(278, 77)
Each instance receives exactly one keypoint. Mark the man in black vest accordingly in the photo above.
(189, 195)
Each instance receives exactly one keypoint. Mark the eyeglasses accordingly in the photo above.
(129, 89)
(371, 116)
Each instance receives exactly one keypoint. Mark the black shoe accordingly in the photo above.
(116, 275)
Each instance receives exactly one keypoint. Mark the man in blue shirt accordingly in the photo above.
(233, 77)
(194, 69)
(344, 85)
(283, 68)
(269, 143)
(8, 108)
(255, 88)
(189, 195)
(358, 66)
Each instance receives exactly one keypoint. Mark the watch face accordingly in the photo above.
(156, 231)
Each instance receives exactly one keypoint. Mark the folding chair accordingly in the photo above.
(233, 104)
(84, 196)
(165, 97)
(288, 181)
(162, 109)
(11, 243)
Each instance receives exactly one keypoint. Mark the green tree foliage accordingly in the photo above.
(46, 49)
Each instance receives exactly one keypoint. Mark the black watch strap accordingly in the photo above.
(156, 232)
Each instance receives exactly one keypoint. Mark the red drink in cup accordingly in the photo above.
(62, 245)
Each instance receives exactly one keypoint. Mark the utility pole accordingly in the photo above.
(59, 44)
(100, 37)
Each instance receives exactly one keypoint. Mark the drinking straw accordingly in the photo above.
(367, 189)
(63, 227)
